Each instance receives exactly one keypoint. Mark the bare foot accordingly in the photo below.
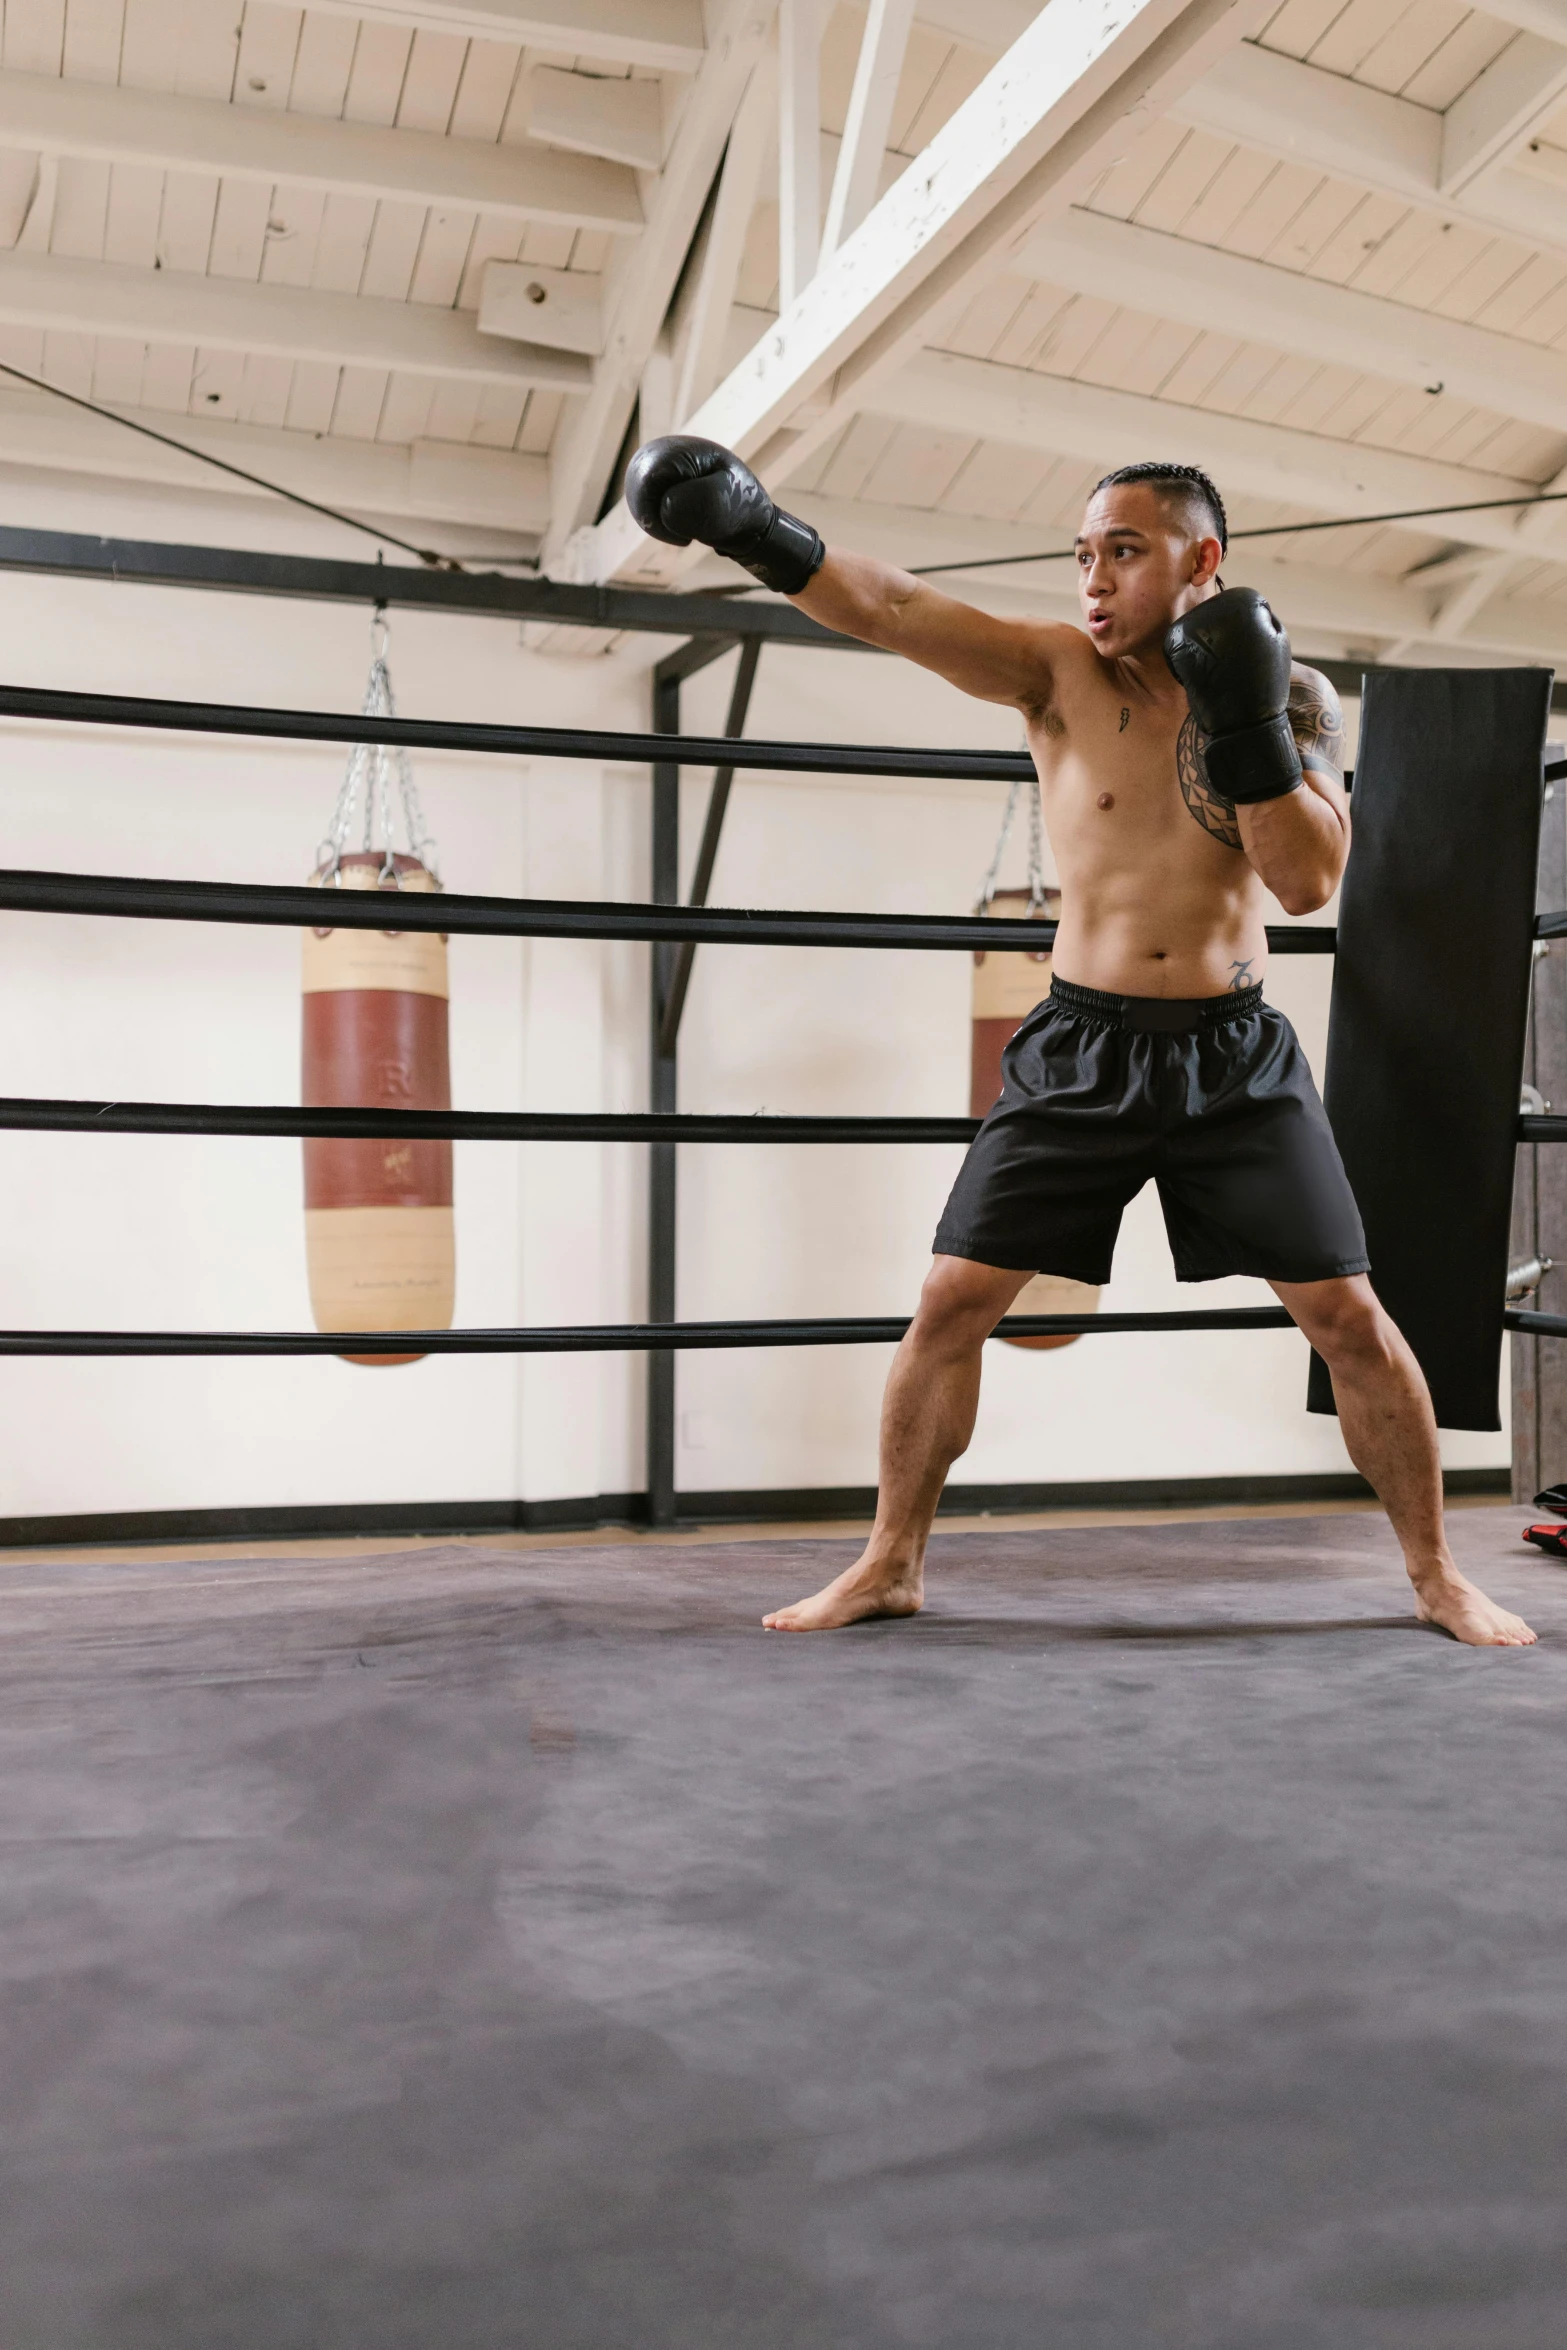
(868, 1588)
(1451, 1602)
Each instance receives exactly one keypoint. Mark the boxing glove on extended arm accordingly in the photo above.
(1234, 660)
(681, 488)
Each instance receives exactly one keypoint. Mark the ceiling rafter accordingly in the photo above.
(1173, 277)
(226, 314)
(667, 36)
(445, 481)
(1103, 426)
(101, 123)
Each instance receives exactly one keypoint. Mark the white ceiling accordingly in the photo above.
(1334, 268)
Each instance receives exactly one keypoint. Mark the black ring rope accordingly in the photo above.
(606, 1337)
(31, 1114)
(529, 742)
(294, 907)
(27, 1115)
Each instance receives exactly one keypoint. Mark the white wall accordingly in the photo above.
(172, 1232)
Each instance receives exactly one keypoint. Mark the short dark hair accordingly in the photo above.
(1187, 485)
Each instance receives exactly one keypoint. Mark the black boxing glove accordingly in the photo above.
(1234, 660)
(681, 488)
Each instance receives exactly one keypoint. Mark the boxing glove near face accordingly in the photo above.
(1233, 658)
(682, 488)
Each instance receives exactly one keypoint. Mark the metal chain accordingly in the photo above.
(372, 766)
(1036, 848)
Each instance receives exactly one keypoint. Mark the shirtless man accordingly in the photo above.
(1187, 767)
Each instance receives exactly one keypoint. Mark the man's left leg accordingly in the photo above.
(1384, 1409)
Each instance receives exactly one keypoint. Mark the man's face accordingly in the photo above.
(1138, 568)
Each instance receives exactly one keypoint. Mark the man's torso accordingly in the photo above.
(1158, 898)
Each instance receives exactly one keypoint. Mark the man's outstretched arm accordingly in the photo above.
(682, 488)
(996, 660)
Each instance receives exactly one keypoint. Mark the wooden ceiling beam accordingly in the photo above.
(105, 124)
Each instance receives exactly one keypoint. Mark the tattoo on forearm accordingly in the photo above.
(1212, 810)
(1316, 722)
(1243, 976)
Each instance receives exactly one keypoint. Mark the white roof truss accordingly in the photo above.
(888, 25)
(1040, 128)
(640, 284)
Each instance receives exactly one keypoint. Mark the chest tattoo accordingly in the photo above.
(1212, 810)
(1125, 717)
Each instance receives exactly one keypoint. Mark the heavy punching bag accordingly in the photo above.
(379, 1237)
(1007, 986)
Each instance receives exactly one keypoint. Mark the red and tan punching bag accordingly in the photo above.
(378, 1214)
(1007, 986)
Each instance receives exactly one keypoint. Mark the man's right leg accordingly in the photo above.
(927, 1419)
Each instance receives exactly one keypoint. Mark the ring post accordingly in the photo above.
(1430, 999)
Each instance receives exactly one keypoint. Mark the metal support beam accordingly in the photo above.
(663, 1097)
(707, 852)
(1539, 1365)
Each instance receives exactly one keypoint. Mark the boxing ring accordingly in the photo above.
(673, 931)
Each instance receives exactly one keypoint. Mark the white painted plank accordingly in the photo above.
(33, 40)
(799, 146)
(855, 186)
(81, 210)
(443, 254)
(94, 30)
(264, 67)
(375, 83)
(489, 76)
(430, 83)
(322, 65)
(132, 215)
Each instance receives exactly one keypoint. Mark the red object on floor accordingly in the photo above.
(1552, 1538)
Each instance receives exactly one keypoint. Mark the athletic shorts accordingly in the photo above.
(1210, 1099)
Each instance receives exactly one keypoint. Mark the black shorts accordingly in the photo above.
(1211, 1099)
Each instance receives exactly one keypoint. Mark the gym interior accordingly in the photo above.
(436, 1911)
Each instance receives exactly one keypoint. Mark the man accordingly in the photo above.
(1187, 768)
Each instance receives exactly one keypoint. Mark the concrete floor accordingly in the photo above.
(1161, 1945)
